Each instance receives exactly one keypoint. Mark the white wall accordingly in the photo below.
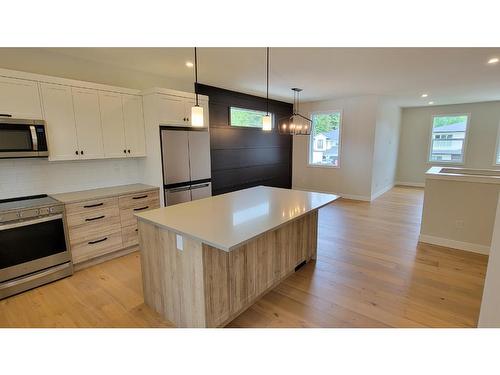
(385, 155)
(415, 136)
(489, 317)
(19, 177)
(353, 178)
(42, 61)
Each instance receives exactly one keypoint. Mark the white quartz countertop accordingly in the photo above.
(487, 176)
(100, 193)
(229, 220)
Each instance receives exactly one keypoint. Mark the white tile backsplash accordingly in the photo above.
(19, 177)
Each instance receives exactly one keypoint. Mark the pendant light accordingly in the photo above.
(196, 110)
(296, 124)
(267, 123)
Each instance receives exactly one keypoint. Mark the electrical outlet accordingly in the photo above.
(459, 224)
(179, 242)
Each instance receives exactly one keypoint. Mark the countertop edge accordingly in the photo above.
(102, 196)
(233, 247)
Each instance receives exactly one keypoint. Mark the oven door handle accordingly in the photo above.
(18, 224)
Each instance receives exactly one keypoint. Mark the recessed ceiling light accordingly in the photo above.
(493, 60)
(189, 64)
(425, 95)
(431, 103)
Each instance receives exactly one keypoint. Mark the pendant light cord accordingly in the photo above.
(267, 83)
(196, 75)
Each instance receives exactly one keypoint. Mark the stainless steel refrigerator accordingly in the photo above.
(186, 164)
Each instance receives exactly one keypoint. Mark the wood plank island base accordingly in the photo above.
(205, 262)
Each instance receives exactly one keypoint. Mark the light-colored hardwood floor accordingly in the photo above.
(370, 272)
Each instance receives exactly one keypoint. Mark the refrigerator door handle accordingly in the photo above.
(199, 186)
(175, 190)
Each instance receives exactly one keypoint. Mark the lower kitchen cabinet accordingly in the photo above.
(102, 225)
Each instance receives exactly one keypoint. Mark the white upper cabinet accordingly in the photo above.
(88, 123)
(176, 111)
(134, 125)
(58, 111)
(19, 98)
(172, 110)
(112, 122)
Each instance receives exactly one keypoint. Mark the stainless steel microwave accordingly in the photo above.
(22, 138)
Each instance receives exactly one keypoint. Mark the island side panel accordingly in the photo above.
(172, 279)
(235, 280)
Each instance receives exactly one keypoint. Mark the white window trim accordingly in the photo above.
(309, 142)
(495, 163)
(464, 147)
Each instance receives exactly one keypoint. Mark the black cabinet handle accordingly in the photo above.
(5, 115)
(141, 208)
(124, 151)
(81, 152)
(95, 218)
(97, 241)
(137, 230)
(93, 205)
(140, 196)
(76, 152)
(128, 151)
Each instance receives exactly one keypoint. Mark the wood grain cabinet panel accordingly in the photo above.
(212, 290)
(90, 206)
(104, 226)
(105, 243)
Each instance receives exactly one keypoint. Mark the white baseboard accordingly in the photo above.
(346, 196)
(466, 246)
(409, 183)
(382, 191)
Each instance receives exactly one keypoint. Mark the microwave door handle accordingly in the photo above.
(34, 138)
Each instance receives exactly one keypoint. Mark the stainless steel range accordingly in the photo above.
(33, 243)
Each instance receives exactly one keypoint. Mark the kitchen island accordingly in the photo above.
(204, 262)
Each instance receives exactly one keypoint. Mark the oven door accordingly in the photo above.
(30, 246)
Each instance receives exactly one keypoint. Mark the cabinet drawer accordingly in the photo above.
(127, 214)
(93, 230)
(100, 216)
(103, 244)
(138, 199)
(91, 205)
(130, 235)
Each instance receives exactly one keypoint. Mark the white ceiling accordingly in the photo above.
(448, 75)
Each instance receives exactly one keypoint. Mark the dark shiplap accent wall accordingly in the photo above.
(246, 157)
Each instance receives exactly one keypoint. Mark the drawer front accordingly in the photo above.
(90, 206)
(127, 214)
(101, 216)
(93, 230)
(130, 235)
(138, 199)
(90, 248)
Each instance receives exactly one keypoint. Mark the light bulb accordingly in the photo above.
(197, 116)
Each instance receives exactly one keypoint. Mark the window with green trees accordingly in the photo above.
(248, 118)
(324, 145)
(448, 138)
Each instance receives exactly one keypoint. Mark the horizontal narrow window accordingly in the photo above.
(248, 118)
